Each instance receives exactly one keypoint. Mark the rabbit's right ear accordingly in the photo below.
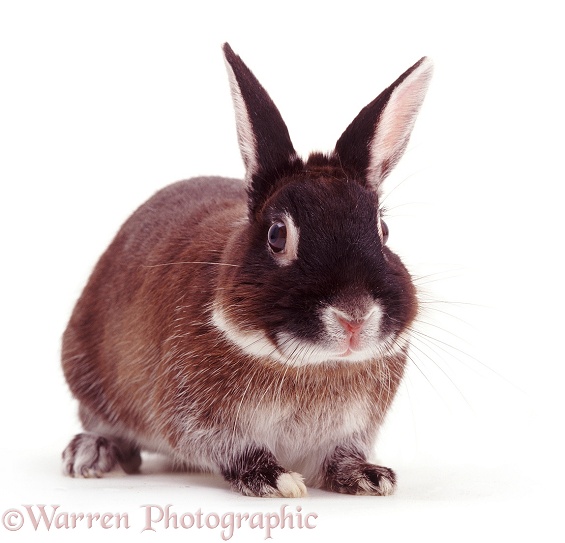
(377, 138)
(264, 140)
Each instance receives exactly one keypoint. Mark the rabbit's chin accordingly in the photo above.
(291, 350)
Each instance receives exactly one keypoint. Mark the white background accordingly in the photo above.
(102, 103)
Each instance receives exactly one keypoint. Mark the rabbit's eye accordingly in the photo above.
(277, 237)
(384, 229)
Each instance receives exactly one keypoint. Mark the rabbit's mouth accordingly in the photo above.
(297, 352)
(342, 339)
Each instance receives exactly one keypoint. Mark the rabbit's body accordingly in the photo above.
(254, 328)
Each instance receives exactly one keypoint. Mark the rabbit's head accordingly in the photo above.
(310, 278)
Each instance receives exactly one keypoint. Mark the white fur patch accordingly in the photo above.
(291, 485)
(386, 486)
(254, 343)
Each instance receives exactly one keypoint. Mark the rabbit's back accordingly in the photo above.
(159, 261)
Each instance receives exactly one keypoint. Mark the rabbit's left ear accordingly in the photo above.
(376, 140)
(264, 140)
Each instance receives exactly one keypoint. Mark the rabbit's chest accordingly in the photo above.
(294, 428)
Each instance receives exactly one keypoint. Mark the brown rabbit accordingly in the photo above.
(255, 328)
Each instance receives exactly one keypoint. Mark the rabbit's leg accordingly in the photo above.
(92, 455)
(348, 472)
(256, 472)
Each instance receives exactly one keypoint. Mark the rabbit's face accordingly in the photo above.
(317, 282)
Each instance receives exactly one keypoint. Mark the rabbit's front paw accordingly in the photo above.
(91, 455)
(349, 473)
(257, 473)
(366, 479)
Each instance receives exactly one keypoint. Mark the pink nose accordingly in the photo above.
(351, 326)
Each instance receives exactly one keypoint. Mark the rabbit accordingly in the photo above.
(256, 328)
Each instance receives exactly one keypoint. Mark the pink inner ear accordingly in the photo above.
(397, 120)
(245, 135)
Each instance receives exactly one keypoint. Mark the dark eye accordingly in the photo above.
(277, 237)
(384, 229)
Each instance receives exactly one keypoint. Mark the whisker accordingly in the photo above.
(444, 330)
(425, 376)
(190, 262)
(418, 280)
(442, 370)
(447, 313)
(451, 302)
(447, 346)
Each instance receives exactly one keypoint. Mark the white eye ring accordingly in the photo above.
(282, 240)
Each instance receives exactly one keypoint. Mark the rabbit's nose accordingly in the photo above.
(352, 326)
